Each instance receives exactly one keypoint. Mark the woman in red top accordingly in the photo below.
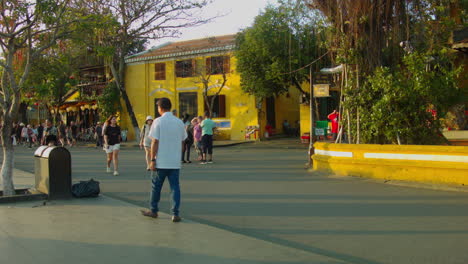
(334, 117)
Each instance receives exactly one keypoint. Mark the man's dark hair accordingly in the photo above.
(207, 114)
(165, 104)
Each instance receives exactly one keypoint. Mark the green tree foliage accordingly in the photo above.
(128, 24)
(399, 104)
(282, 40)
(53, 74)
(109, 101)
(398, 65)
(27, 29)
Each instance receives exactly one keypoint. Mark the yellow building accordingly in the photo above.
(179, 70)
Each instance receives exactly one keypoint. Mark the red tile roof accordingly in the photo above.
(184, 48)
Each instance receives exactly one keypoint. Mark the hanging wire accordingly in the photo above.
(323, 55)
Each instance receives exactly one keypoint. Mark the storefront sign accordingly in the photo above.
(321, 90)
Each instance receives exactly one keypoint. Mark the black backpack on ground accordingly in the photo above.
(86, 189)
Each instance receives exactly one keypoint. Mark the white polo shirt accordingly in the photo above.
(170, 131)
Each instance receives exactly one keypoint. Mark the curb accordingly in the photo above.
(22, 195)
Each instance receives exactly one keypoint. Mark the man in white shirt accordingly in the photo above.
(167, 133)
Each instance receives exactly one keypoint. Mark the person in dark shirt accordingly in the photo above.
(74, 133)
(40, 133)
(98, 135)
(62, 133)
(112, 139)
(50, 134)
(18, 131)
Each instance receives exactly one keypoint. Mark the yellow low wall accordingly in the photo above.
(428, 164)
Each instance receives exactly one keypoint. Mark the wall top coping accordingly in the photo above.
(393, 148)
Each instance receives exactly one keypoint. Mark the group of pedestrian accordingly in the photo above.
(29, 134)
(22, 134)
(60, 134)
(199, 134)
(167, 139)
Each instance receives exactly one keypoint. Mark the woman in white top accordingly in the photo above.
(145, 141)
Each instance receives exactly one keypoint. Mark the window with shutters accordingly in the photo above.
(218, 65)
(185, 68)
(219, 106)
(160, 71)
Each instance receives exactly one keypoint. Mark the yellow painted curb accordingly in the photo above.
(428, 164)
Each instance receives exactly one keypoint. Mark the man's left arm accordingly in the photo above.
(154, 151)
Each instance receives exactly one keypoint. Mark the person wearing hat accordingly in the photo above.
(145, 141)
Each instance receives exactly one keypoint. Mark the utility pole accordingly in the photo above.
(311, 140)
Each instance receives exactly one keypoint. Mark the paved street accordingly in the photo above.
(263, 191)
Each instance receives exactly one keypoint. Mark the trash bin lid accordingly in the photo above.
(40, 150)
(47, 152)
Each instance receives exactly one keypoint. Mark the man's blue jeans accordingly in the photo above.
(157, 183)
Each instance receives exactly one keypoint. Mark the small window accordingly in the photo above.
(185, 68)
(219, 106)
(218, 65)
(160, 71)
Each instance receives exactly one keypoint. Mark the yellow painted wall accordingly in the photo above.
(241, 108)
(137, 89)
(287, 108)
(143, 89)
(305, 118)
(452, 171)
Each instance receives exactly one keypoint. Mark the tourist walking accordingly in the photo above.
(197, 136)
(62, 133)
(30, 135)
(112, 138)
(145, 140)
(40, 133)
(188, 142)
(19, 129)
(24, 135)
(74, 133)
(167, 134)
(98, 135)
(50, 134)
(208, 127)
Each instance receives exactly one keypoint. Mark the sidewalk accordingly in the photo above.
(216, 143)
(105, 230)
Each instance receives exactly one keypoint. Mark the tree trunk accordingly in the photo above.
(298, 86)
(129, 107)
(119, 77)
(8, 157)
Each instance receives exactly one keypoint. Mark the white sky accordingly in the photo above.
(239, 14)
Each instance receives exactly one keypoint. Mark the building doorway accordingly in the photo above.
(270, 111)
(188, 104)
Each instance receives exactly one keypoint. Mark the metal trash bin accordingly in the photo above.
(52, 170)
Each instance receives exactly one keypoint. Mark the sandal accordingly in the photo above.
(149, 213)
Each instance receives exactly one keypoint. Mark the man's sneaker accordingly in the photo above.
(210, 162)
(203, 162)
(176, 218)
(116, 173)
(149, 213)
(108, 170)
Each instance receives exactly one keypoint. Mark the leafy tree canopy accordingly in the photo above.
(271, 53)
